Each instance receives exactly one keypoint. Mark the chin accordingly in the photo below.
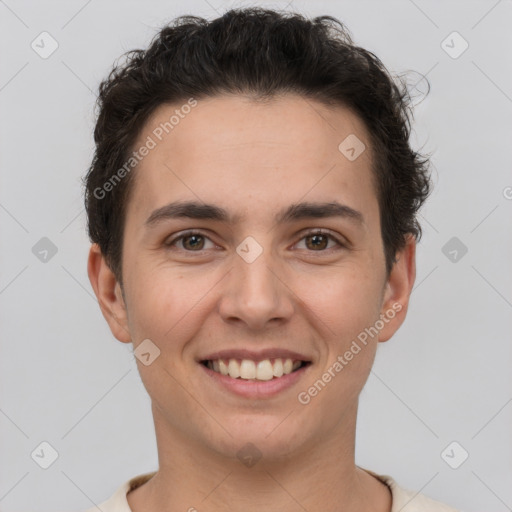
(260, 436)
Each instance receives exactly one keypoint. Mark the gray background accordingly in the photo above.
(444, 377)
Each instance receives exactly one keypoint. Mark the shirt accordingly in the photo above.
(403, 500)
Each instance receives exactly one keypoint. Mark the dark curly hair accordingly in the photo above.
(259, 52)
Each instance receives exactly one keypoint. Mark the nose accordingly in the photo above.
(256, 293)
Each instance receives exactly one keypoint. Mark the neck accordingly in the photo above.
(322, 476)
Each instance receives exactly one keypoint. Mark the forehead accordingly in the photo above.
(236, 152)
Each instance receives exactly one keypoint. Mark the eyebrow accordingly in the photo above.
(294, 212)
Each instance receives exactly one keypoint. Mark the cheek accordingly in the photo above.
(346, 300)
(345, 310)
(162, 302)
(346, 307)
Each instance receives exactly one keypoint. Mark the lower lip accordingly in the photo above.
(256, 388)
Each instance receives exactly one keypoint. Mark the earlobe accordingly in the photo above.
(108, 293)
(398, 290)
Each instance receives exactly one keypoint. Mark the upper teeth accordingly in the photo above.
(248, 369)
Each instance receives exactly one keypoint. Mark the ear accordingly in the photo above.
(398, 289)
(108, 293)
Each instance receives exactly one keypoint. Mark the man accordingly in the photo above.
(252, 206)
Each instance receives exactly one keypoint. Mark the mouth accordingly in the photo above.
(255, 370)
(259, 375)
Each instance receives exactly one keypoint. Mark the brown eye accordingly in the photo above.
(318, 241)
(190, 242)
(195, 242)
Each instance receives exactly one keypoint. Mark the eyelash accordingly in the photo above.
(305, 235)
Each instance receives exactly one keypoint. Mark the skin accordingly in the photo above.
(254, 159)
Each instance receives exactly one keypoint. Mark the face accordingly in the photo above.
(281, 257)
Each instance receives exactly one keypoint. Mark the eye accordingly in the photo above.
(318, 240)
(192, 241)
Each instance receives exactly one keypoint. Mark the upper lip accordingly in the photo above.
(269, 353)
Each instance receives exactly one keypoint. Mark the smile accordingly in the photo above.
(247, 369)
